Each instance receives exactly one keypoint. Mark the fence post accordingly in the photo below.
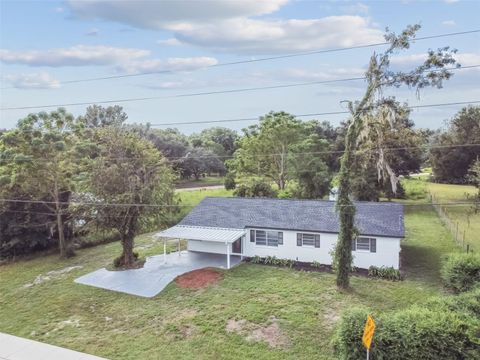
(463, 241)
(468, 248)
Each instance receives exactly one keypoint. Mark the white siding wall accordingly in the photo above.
(388, 250)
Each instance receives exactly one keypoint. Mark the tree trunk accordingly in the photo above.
(127, 257)
(345, 207)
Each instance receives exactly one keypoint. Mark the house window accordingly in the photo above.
(304, 239)
(266, 238)
(365, 244)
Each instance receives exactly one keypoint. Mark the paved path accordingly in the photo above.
(16, 348)
(156, 274)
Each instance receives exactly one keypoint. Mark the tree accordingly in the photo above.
(99, 116)
(220, 140)
(368, 115)
(474, 178)
(450, 163)
(265, 148)
(130, 172)
(40, 160)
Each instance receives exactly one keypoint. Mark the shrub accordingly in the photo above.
(256, 260)
(229, 182)
(415, 333)
(467, 303)
(256, 188)
(316, 264)
(387, 273)
(461, 272)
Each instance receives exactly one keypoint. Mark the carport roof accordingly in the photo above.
(202, 233)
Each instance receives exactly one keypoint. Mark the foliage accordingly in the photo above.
(281, 149)
(255, 188)
(219, 140)
(474, 178)
(450, 164)
(414, 333)
(316, 264)
(387, 273)
(370, 115)
(461, 272)
(40, 161)
(98, 116)
(129, 171)
(415, 188)
(273, 260)
(230, 183)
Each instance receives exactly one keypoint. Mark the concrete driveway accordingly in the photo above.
(156, 274)
(16, 348)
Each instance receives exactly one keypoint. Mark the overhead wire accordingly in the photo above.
(247, 61)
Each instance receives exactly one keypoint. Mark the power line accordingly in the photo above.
(326, 152)
(230, 91)
(451, 203)
(299, 54)
(308, 114)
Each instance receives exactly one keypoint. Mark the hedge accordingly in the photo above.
(461, 272)
(441, 331)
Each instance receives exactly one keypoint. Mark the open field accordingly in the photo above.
(189, 199)
(298, 309)
(462, 214)
(204, 181)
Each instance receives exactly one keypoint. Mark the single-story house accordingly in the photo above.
(301, 230)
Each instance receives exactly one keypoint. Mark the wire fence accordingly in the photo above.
(459, 230)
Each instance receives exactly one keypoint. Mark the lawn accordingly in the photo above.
(192, 324)
(204, 181)
(467, 220)
(189, 199)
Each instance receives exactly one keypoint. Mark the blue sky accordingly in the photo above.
(44, 43)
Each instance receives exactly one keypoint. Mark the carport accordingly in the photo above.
(206, 235)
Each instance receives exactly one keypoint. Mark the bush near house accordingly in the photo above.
(383, 272)
(446, 328)
(461, 272)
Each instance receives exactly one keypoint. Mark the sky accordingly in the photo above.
(46, 46)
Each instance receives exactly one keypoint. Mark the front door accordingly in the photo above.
(237, 246)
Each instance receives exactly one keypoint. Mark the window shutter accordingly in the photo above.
(354, 244)
(299, 239)
(280, 238)
(317, 241)
(252, 235)
(373, 245)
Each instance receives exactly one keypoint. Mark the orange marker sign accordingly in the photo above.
(368, 332)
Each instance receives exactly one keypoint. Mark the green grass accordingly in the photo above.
(207, 180)
(191, 198)
(467, 220)
(191, 324)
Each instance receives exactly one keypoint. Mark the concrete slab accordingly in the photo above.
(156, 273)
(16, 348)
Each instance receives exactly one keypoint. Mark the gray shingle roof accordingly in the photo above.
(379, 219)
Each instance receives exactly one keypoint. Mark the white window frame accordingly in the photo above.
(301, 234)
(279, 238)
(369, 250)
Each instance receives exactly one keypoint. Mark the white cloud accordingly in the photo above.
(449, 23)
(42, 80)
(450, 1)
(158, 14)
(79, 55)
(59, 10)
(249, 36)
(170, 64)
(170, 42)
(232, 26)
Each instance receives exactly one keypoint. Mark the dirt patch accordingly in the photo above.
(271, 333)
(197, 279)
(55, 274)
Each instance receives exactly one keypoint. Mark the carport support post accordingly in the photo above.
(164, 250)
(228, 255)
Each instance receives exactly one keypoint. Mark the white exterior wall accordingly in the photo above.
(388, 250)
